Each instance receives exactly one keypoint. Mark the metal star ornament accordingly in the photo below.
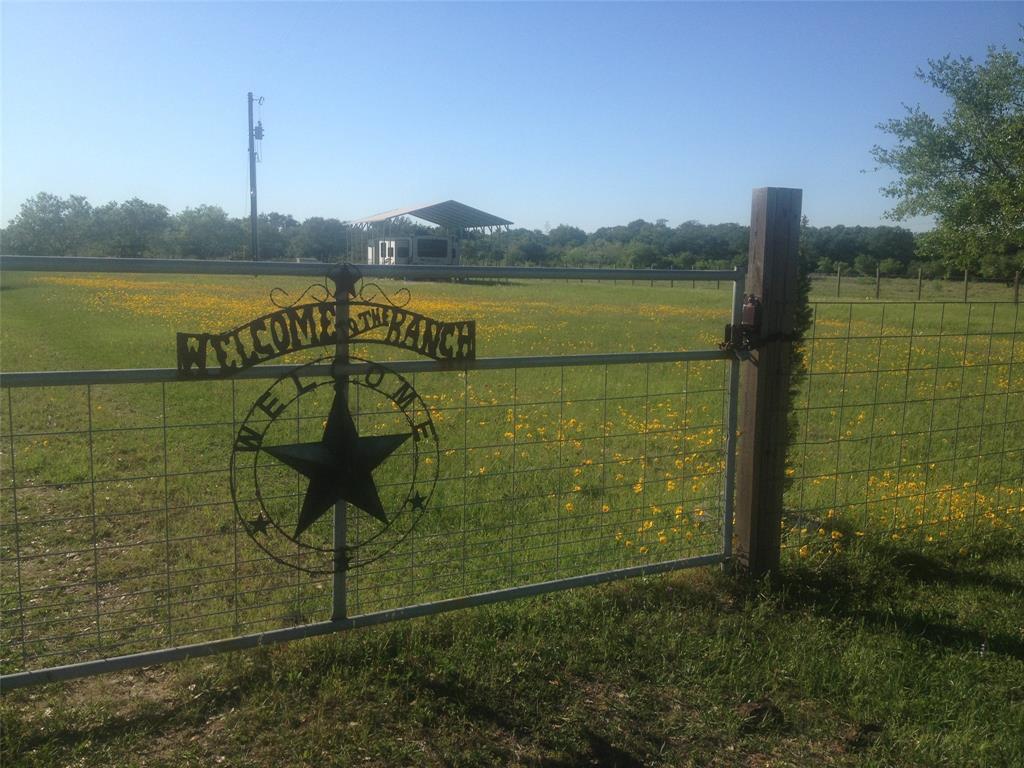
(339, 466)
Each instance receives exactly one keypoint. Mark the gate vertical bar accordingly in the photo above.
(344, 281)
(728, 503)
(17, 526)
(773, 276)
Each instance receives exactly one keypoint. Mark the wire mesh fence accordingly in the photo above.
(118, 533)
(909, 426)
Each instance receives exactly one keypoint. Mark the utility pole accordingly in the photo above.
(255, 134)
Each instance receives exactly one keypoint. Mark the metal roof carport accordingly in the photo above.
(451, 215)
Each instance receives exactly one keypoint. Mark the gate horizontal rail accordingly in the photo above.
(303, 269)
(168, 375)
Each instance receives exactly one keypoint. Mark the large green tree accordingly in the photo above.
(132, 229)
(277, 230)
(206, 232)
(49, 225)
(566, 236)
(320, 239)
(967, 167)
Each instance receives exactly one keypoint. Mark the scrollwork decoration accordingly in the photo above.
(318, 292)
(370, 292)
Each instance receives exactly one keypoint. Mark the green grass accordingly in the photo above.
(884, 659)
(902, 528)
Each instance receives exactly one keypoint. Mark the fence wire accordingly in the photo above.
(118, 533)
(909, 427)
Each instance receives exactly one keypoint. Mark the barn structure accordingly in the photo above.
(390, 240)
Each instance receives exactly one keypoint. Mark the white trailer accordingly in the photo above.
(418, 249)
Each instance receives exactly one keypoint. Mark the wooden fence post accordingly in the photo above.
(920, 273)
(965, 285)
(1016, 287)
(878, 282)
(839, 279)
(773, 276)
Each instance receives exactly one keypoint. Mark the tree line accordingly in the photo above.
(692, 245)
(49, 225)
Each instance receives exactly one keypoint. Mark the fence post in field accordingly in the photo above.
(839, 279)
(878, 281)
(965, 285)
(772, 275)
(920, 272)
(1016, 287)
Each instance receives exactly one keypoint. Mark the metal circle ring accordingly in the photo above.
(267, 494)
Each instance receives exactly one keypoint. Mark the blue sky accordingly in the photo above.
(544, 113)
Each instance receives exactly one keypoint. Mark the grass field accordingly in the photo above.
(908, 442)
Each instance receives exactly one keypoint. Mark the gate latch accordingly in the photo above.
(745, 336)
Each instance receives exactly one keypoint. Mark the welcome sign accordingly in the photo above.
(294, 328)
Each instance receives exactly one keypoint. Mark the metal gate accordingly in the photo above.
(155, 514)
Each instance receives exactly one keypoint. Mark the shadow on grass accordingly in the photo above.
(599, 752)
(463, 694)
(477, 706)
(159, 719)
(862, 586)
